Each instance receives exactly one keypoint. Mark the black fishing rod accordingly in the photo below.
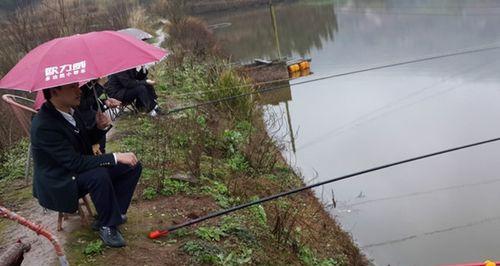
(418, 60)
(164, 232)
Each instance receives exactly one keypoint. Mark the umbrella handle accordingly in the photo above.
(96, 98)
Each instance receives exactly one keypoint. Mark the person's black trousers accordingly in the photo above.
(111, 190)
(144, 97)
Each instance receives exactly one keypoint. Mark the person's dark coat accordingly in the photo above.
(60, 153)
(120, 82)
(142, 74)
(89, 105)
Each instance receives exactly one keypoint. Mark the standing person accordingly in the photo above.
(65, 168)
(91, 103)
(128, 88)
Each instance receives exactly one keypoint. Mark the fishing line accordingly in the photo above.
(229, 98)
(384, 110)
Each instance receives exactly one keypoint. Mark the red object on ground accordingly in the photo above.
(38, 229)
(157, 234)
(79, 58)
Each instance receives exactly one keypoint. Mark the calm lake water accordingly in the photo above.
(436, 211)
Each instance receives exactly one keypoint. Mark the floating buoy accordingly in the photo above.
(489, 263)
(305, 72)
(304, 65)
(293, 68)
(294, 75)
(299, 68)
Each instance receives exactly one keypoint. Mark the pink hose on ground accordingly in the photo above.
(38, 229)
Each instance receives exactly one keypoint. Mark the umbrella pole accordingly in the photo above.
(96, 98)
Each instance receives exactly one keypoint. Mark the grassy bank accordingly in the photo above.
(207, 159)
(199, 161)
(13, 188)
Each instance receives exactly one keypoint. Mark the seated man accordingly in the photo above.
(66, 169)
(130, 86)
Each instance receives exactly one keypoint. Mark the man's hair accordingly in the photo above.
(47, 94)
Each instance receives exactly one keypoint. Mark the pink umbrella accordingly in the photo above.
(79, 58)
(39, 100)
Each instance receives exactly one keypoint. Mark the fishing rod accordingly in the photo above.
(163, 232)
(418, 60)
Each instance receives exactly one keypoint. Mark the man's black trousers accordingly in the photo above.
(111, 190)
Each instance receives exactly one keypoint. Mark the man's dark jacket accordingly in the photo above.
(120, 82)
(60, 153)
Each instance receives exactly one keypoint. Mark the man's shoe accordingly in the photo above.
(159, 111)
(152, 113)
(95, 224)
(111, 237)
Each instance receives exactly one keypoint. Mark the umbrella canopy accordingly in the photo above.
(137, 33)
(79, 58)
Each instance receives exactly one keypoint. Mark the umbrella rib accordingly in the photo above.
(90, 57)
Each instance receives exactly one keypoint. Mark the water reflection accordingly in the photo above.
(275, 97)
(437, 211)
(301, 30)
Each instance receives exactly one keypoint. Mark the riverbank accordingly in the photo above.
(216, 6)
(207, 159)
(196, 162)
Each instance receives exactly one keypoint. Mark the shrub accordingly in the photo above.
(227, 83)
(172, 187)
(308, 258)
(202, 251)
(238, 163)
(210, 233)
(94, 248)
(13, 161)
(149, 193)
(232, 140)
(190, 36)
(259, 213)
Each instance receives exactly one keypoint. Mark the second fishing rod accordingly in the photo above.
(164, 232)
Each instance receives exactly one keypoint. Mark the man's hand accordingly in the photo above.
(112, 103)
(96, 149)
(128, 158)
(102, 121)
(150, 82)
